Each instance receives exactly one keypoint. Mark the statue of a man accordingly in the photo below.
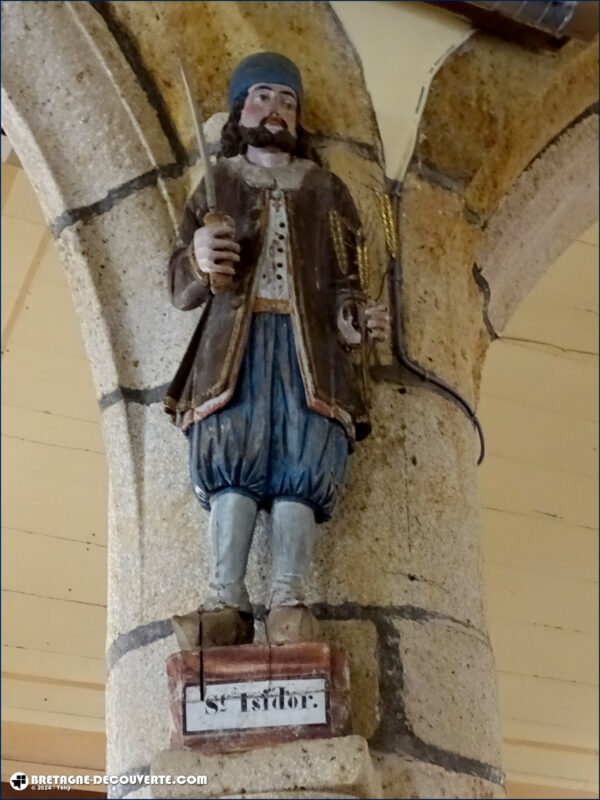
(268, 392)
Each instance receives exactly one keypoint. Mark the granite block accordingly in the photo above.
(339, 767)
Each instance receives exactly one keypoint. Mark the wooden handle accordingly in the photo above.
(219, 282)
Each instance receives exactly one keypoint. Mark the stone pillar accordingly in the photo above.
(92, 106)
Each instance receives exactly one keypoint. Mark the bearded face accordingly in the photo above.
(251, 124)
(269, 116)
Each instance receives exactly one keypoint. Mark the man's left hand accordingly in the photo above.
(377, 322)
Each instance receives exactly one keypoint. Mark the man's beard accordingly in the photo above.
(262, 137)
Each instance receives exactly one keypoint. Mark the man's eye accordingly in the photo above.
(263, 97)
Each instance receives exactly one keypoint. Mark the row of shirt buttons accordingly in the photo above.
(278, 265)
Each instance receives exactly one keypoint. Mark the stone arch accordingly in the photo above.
(495, 105)
(499, 117)
(551, 204)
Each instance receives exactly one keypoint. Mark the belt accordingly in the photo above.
(268, 304)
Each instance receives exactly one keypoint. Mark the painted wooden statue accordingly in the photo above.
(269, 393)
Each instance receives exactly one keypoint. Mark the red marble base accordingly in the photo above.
(257, 705)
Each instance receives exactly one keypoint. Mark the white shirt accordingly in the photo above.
(273, 262)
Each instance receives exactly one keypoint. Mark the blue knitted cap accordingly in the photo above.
(264, 68)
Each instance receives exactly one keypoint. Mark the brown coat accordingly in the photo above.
(324, 229)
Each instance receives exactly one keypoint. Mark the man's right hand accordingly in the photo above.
(215, 249)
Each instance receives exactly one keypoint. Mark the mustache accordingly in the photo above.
(265, 120)
(260, 136)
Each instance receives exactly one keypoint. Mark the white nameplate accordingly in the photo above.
(255, 704)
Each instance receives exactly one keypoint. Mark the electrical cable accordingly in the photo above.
(395, 286)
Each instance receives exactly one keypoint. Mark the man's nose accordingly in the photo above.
(274, 114)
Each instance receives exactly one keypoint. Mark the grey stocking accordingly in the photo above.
(231, 525)
(293, 535)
